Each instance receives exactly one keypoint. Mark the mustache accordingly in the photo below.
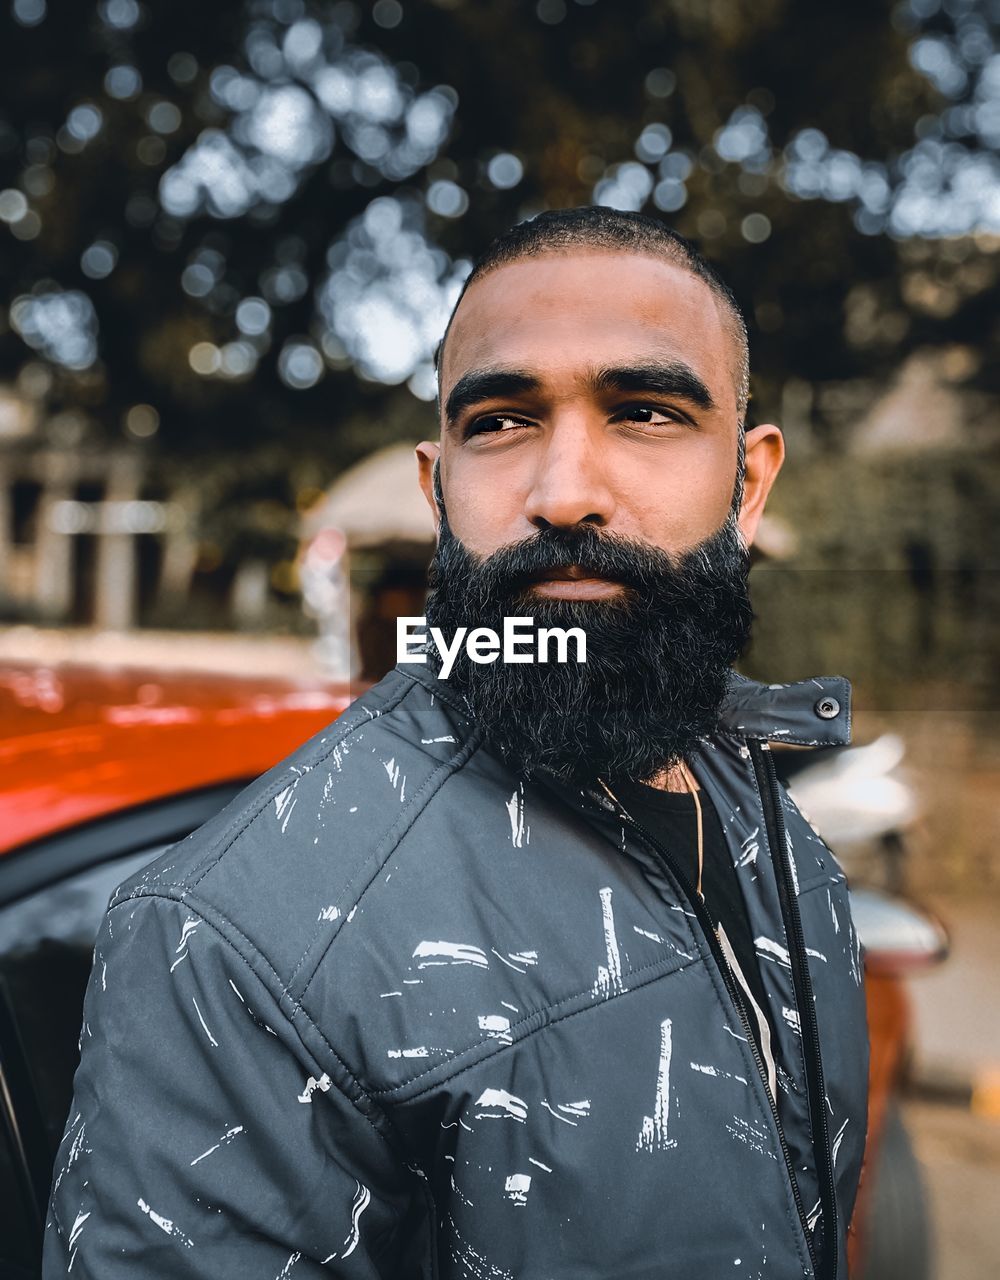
(515, 566)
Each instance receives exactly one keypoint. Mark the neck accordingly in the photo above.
(673, 779)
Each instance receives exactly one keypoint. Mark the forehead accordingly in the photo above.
(563, 311)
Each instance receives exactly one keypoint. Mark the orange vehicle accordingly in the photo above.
(100, 771)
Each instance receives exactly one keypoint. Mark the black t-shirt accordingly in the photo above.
(671, 819)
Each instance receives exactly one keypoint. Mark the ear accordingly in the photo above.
(765, 452)
(428, 453)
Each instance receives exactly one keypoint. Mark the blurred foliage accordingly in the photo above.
(895, 581)
(249, 219)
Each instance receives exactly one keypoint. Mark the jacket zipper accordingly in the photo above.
(767, 781)
(731, 985)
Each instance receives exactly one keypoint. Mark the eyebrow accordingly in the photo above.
(671, 377)
(486, 384)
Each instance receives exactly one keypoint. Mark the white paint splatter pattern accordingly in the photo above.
(362, 1198)
(654, 1136)
(77, 1227)
(212, 1039)
(835, 1149)
(165, 1224)
(519, 961)
(791, 1016)
(461, 1195)
(774, 951)
(716, 1072)
(516, 1188)
(791, 861)
(749, 849)
(470, 1263)
(181, 951)
(398, 783)
(751, 1135)
(552, 1112)
(227, 1137)
(520, 835)
(581, 1108)
(287, 1268)
(501, 1105)
(284, 803)
(609, 977)
(436, 953)
(496, 1026)
(323, 1083)
(854, 953)
(76, 1149)
(655, 937)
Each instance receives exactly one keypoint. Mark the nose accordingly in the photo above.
(570, 482)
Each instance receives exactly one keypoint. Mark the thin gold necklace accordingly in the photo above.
(689, 780)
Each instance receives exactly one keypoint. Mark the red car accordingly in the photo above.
(100, 770)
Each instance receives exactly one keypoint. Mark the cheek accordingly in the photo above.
(485, 511)
(676, 506)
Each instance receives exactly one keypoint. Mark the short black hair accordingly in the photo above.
(600, 227)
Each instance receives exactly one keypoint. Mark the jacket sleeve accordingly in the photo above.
(205, 1141)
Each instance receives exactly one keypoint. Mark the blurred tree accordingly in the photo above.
(244, 224)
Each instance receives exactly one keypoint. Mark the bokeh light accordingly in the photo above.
(253, 317)
(300, 365)
(389, 292)
(84, 122)
(98, 260)
(205, 358)
(142, 421)
(123, 82)
(627, 186)
(59, 324)
(505, 170)
(13, 205)
(29, 13)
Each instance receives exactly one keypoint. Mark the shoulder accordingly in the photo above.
(291, 856)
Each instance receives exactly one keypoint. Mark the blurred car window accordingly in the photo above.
(47, 938)
(68, 912)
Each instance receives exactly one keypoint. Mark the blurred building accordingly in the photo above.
(383, 543)
(109, 536)
(87, 535)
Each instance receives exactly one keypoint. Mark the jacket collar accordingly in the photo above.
(809, 713)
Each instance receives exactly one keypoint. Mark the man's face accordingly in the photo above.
(595, 387)
(589, 475)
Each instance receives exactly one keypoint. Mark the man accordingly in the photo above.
(534, 971)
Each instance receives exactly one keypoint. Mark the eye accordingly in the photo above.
(651, 415)
(493, 425)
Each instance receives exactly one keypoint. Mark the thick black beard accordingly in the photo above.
(658, 655)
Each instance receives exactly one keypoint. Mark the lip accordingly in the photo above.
(573, 582)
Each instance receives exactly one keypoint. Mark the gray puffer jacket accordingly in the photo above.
(396, 1012)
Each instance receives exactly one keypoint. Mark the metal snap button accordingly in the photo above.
(827, 708)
